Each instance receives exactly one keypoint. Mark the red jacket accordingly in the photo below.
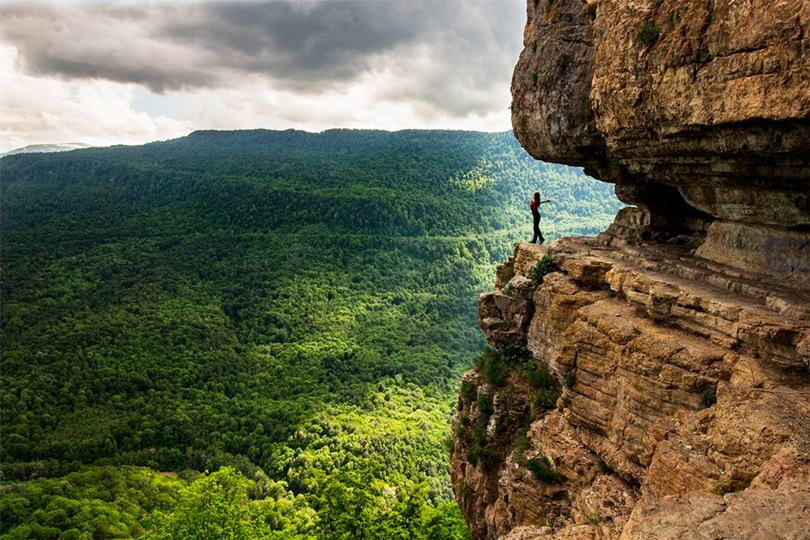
(533, 204)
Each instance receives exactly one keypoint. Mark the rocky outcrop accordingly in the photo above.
(654, 382)
(684, 400)
(695, 110)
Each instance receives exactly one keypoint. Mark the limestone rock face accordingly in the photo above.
(551, 110)
(768, 250)
(656, 385)
(684, 400)
(695, 110)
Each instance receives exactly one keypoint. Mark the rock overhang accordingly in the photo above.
(709, 98)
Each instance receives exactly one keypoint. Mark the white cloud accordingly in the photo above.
(49, 110)
(256, 104)
(129, 73)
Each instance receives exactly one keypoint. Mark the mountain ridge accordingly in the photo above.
(45, 147)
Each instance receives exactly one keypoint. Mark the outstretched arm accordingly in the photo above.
(547, 200)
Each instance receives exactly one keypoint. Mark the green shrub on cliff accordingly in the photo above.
(481, 456)
(516, 353)
(537, 374)
(570, 378)
(546, 398)
(709, 396)
(546, 265)
(484, 405)
(648, 35)
(493, 365)
(468, 391)
(542, 470)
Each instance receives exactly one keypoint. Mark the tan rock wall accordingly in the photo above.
(680, 399)
(709, 97)
(681, 336)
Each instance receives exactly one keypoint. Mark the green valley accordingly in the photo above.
(288, 311)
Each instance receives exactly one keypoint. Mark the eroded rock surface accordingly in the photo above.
(697, 111)
(684, 400)
(657, 384)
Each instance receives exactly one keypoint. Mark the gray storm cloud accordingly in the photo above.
(444, 53)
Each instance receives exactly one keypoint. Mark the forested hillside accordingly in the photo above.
(290, 309)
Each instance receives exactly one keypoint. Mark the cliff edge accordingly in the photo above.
(654, 381)
(698, 111)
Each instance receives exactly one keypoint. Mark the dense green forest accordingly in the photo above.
(253, 333)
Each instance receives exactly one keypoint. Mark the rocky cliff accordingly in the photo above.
(654, 382)
(698, 111)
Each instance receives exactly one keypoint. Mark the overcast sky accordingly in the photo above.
(130, 72)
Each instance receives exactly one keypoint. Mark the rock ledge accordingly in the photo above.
(684, 405)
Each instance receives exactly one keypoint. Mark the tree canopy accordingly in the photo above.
(289, 311)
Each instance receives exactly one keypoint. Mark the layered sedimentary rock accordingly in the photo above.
(695, 110)
(676, 401)
(684, 406)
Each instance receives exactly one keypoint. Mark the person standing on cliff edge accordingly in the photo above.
(534, 204)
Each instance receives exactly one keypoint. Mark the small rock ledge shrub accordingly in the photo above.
(648, 35)
(546, 265)
(708, 397)
(492, 365)
(541, 469)
(479, 454)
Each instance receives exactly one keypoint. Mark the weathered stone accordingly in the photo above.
(504, 272)
(696, 111)
(755, 513)
(777, 252)
(553, 117)
(682, 334)
(657, 414)
(521, 286)
(528, 255)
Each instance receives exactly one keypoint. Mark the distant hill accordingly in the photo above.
(42, 148)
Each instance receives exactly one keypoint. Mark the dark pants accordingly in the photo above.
(536, 228)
